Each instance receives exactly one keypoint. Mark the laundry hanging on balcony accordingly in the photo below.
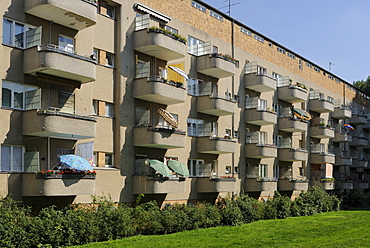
(301, 114)
(178, 167)
(168, 117)
(179, 71)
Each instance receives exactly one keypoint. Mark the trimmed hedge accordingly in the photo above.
(105, 220)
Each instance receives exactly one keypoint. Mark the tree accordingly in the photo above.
(363, 85)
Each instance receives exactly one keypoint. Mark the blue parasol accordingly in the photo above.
(75, 162)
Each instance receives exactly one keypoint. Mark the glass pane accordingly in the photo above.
(32, 99)
(19, 34)
(6, 97)
(17, 158)
(66, 102)
(7, 31)
(5, 158)
(18, 100)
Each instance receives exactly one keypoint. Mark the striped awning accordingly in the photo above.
(168, 118)
(179, 71)
(301, 114)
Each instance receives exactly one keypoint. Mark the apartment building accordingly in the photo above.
(170, 99)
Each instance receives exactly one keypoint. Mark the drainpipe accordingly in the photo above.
(233, 94)
(51, 22)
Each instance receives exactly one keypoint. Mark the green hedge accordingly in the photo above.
(105, 220)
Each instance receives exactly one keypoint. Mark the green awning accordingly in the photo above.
(160, 167)
(178, 167)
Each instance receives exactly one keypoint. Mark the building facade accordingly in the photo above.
(170, 99)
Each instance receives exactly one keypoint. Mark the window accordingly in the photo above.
(330, 99)
(228, 169)
(259, 38)
(172, 30)
(276, 171)
(279, 49)
(66, 44)
(109, 109)
(262, 170)
(66, 102)
(108, 159)
(276, 75)
(95, 107)
(64, 151)
(262, 138)
(198, 6)
(308, 65)
(300, 64)
(195, 86)
(195, 46)
(20, 35)
(109, 59)
(316, 69)
(245, 31)
(194, 126)
(11, 158)
(20, 96)
(236, 134)
(104, 57)
(261, 70)
(106, 9)
(142, 116)
(291, 55)
(215, 49)
(198, 168)
(215, 15)
(277, 140)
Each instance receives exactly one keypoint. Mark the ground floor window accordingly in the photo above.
(11, 158)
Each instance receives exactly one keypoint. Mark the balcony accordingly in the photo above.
(360, 163)
(290, 154)
(327, 184)
(292, 94)
(56, 186)
(161, 138)
(54, 123)
(72, 14)
(218, 106)
(49, 60)
(156, 43)
(359, 141)
(253, 150)
(292, 124)
(321, 132)
(154, 185)
(260, 184)
(344, 185)
(322, 158)
(342, 137)
(259, 82)
(367, 125)
(345, 161)
(358, 119)
(361, 184)
(215, 145)
(342, 113)
(158, 91)
(257, 113)
(321, 105)
(215, 66)
(292, 184)
(215, 185)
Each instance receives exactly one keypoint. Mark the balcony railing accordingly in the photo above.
(291, 92)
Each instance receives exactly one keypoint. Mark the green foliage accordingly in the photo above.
(355, 199)
(104, 220)
(363, 85)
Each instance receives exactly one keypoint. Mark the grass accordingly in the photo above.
(334, 229)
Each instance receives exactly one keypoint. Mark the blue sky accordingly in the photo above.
(322, 31)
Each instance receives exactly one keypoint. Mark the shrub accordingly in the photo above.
(248, 207)
(174, 219)
(283, 206)
(230, 212)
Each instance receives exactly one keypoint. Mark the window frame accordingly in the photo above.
(12, 35)
(11, 157)
(12, 85)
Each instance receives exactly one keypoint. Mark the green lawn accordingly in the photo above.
(334, 229)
